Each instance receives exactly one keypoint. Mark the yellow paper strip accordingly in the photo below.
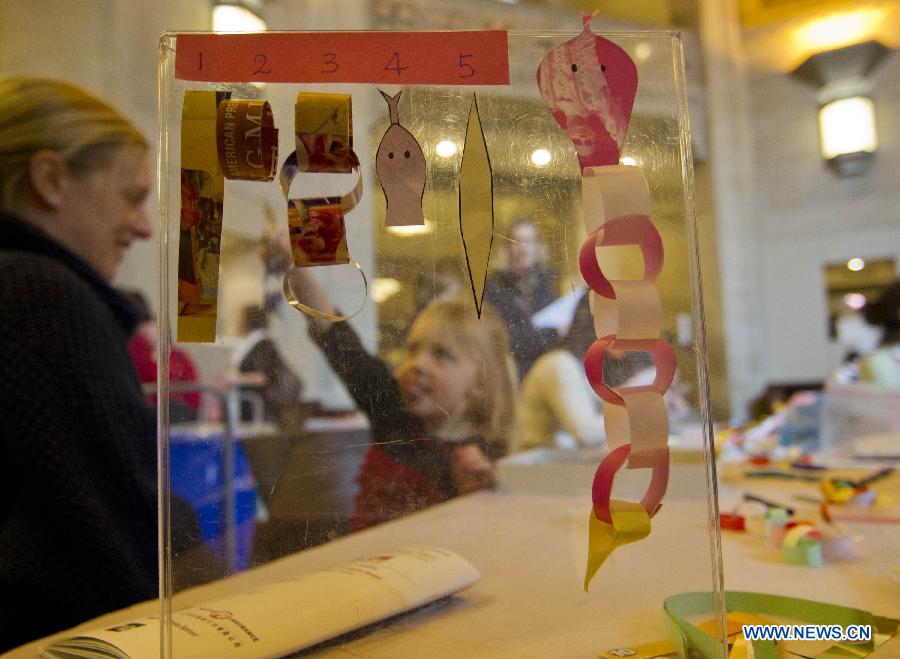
(630, 524)
(203, 190)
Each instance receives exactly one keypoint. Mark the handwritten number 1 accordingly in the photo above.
(261, 60)
(395, 61)
(200, 61)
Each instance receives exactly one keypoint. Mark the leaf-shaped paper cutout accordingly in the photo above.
(476, 204)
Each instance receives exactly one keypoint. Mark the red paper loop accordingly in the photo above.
(663, 357)
(624, 230)
(603, 482)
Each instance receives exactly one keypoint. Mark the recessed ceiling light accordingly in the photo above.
(446, 149)
(541, 157)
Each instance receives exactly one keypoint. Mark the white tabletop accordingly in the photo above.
(530, 602)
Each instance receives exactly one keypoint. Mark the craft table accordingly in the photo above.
(530, 550)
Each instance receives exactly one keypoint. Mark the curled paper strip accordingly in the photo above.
(625, 230)
(246, 140)
(628, 522)
(318, 236)
(661, 352)
(601, 490)
(315, 313)
(323, 127)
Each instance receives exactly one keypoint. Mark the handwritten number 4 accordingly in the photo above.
(395, 61)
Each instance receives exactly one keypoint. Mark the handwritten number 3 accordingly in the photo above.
(261, 60)
(331, 62)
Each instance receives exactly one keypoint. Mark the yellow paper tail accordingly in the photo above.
(630, 524)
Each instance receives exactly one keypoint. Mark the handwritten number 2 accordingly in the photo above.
(394, 64)
(466, 70)
(260, 60)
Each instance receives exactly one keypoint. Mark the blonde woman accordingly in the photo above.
(77, 492)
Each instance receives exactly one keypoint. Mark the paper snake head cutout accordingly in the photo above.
(589, 83)
(400, 166)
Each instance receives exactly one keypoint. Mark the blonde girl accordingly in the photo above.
(439, 421)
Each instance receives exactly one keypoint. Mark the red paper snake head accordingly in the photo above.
(589, 84)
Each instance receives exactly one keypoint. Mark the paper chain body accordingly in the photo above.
(589, 83)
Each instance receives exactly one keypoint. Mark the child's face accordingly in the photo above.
(436, 377)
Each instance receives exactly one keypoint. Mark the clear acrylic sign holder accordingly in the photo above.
(276, 499)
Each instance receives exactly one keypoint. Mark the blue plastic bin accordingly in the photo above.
(197, 476)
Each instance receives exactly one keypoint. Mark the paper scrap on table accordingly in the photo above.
(400, 166)
(630, 523)
(476, 204)
(589, 84)
(200, 230)
(559, 313)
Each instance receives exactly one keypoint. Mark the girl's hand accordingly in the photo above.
(308, 291)
(471, 469)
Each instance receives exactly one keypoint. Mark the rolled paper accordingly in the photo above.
(613, 191)
(316, 231)
(246, 140)
(400, 166)
(806, 551)
(323, 127)
(634, 313)
(625, 230)
(476, 204)
(589, 84)
(601, 490)
(837, 491)
(661, 352)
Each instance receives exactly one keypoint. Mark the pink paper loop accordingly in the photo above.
(663, 358)
(620, 231)
(606, 472)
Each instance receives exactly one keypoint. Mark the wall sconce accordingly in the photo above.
(238, 16)
(846, 113)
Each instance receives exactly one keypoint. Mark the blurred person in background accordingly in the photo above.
(882, 367)
(78, 497)
(183, 406)
(521, 290)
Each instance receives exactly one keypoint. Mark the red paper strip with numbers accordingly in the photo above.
(400, 58)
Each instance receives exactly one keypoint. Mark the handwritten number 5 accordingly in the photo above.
(466, 69)
(260, 60)
(331, 62)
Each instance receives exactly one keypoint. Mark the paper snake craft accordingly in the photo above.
(589, 84)
(400, 166)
